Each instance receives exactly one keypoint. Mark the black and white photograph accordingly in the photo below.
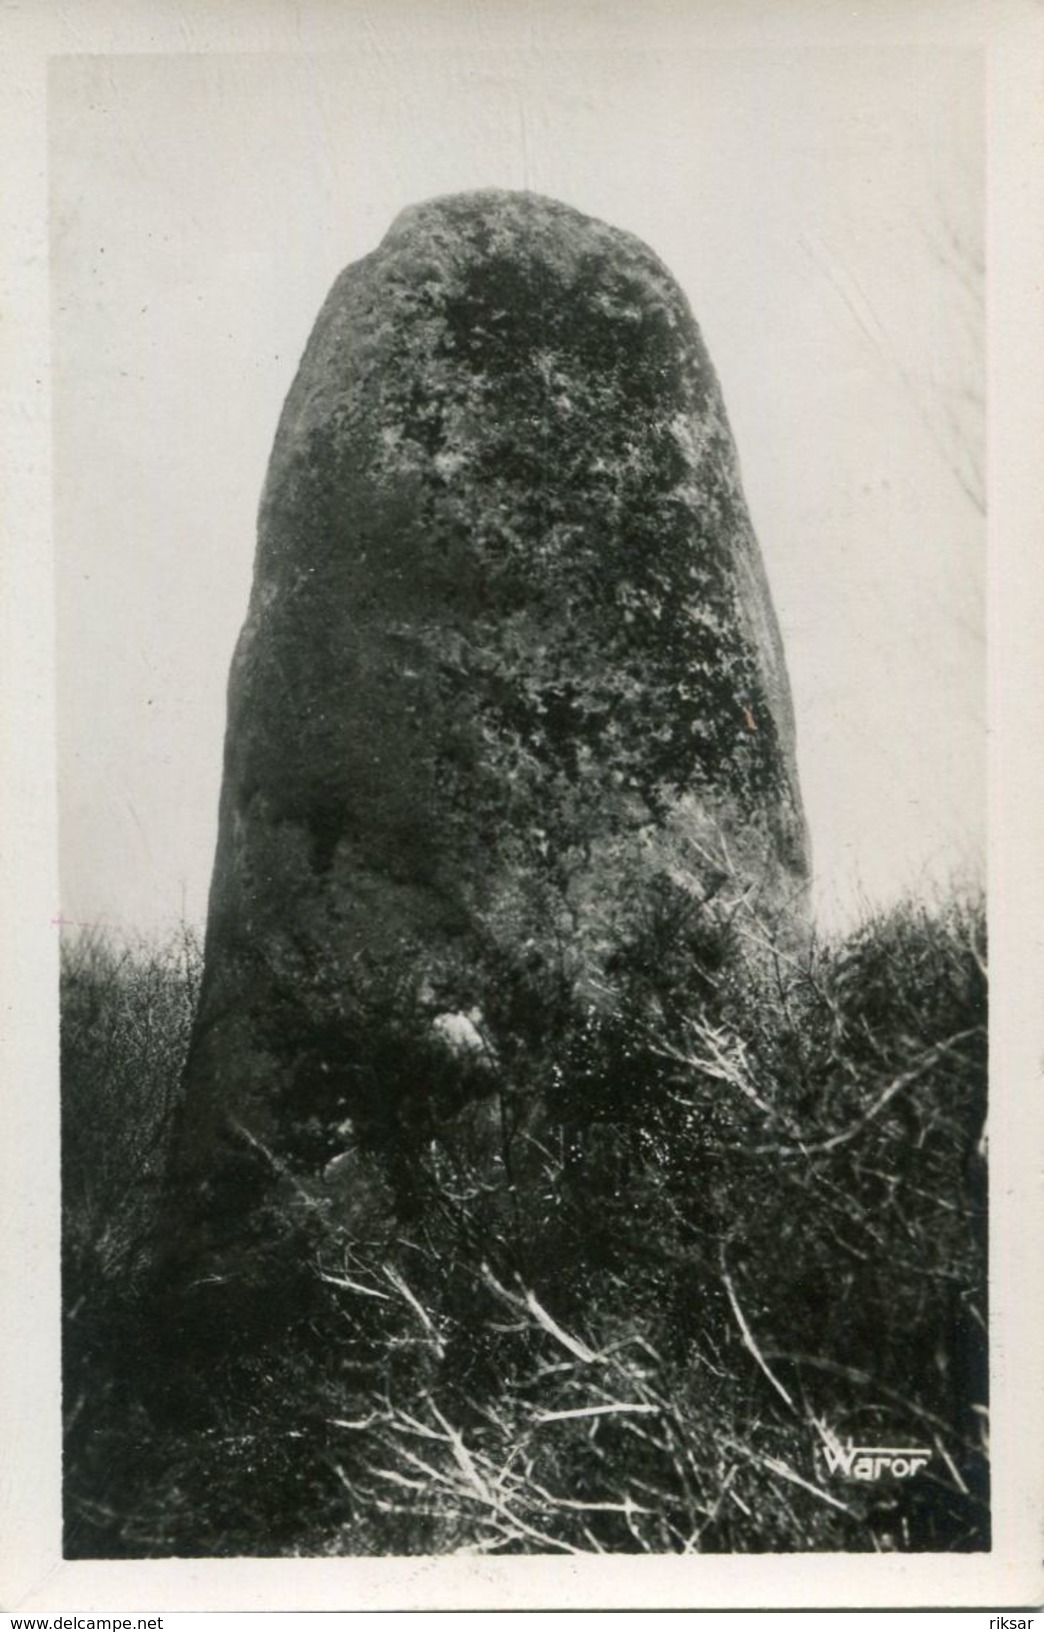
(521, 539)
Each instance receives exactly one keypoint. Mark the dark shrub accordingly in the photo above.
(644, 1280)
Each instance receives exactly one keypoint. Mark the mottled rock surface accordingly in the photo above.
(509, 678)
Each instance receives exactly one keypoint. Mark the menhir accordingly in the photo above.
(509, 722)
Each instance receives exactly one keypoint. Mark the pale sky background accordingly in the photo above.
(822, 209)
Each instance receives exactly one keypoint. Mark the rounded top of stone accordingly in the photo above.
(491, 201)
(500, 216)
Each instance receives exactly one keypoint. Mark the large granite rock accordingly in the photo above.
(508, 715)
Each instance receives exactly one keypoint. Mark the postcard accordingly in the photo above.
(522, 771)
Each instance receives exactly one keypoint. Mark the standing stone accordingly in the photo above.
(509, 709)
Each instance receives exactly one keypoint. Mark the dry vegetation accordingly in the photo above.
(643, 1287)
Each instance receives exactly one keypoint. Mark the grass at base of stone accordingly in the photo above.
(775, 1250)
